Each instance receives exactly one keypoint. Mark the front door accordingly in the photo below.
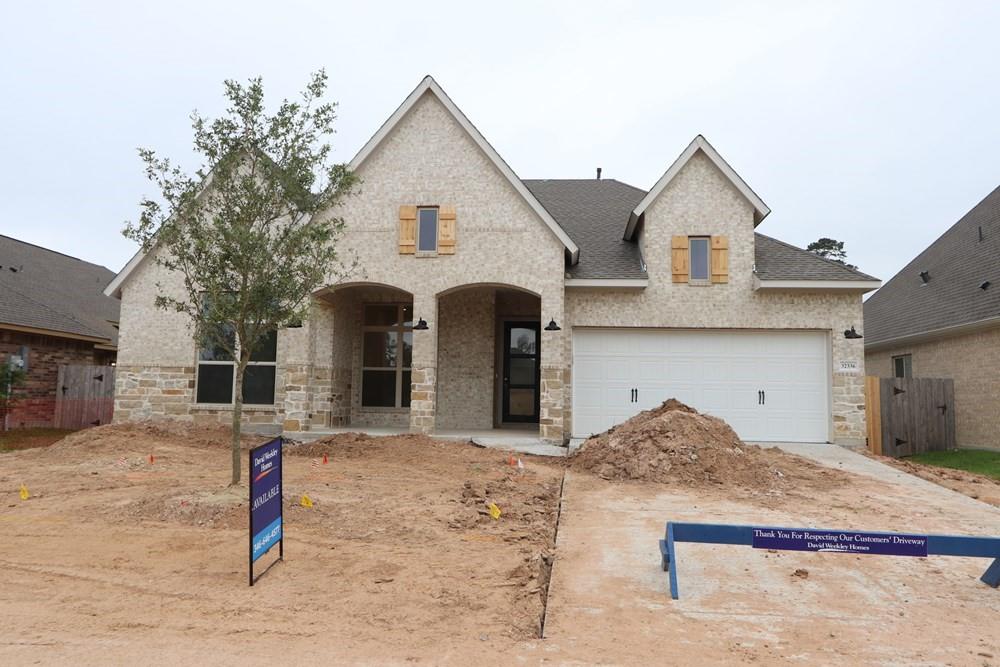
(521, 371)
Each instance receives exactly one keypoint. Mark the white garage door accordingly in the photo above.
(771, 386)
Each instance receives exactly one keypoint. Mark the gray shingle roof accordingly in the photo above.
(49, 290)
(777, 260)
(957, 264)
(594, 212)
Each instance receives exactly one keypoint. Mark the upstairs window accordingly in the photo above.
(902, 366)
(427, 230)
(699, 248)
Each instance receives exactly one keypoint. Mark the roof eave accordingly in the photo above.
(808, 285)
(607, 283)
(933, 334)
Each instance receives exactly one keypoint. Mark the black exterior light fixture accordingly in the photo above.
(851, 334)
(552, 326)
(421, 325)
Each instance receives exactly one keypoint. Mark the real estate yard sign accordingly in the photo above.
(265, 502)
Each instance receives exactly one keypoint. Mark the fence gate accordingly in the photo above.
(909, 415)
(85, 396)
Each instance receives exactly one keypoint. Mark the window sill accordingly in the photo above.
(426, 253)
(229, 406)
(400, 411)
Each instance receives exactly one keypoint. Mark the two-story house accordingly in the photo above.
(487, 301)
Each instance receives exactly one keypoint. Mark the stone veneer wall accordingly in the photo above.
(973, 362)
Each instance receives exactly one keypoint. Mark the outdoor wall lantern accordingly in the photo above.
(421, 325)
(852, 334)
(552, 326)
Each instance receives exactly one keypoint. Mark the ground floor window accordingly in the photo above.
(216, 381)
(902, 366)
(387, 350)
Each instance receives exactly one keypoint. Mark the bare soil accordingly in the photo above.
(675, 444)
(131, 534)
(975, 486)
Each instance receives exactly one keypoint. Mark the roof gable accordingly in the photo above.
(429, 86)
(957, 263)
(698, 144)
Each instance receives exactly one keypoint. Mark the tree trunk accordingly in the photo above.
(237, 418)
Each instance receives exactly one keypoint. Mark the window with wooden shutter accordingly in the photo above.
(720, 259)
(446, 231)
(407, 230)
(679, 259)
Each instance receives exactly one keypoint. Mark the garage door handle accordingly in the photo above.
(763, 397)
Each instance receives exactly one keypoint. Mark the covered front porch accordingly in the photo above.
(463, 363)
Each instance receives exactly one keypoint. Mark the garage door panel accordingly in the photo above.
(717, 372)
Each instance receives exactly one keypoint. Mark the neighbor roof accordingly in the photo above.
(777, 260)
(46, 290)
(961, 260)
(592, 212)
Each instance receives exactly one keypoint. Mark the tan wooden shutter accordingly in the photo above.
(720, 259)
(446, 230)
(407, 230)
(679, 259)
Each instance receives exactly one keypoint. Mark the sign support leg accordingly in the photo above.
(992, 575)
(672, 562)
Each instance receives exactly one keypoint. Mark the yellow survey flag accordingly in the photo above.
(306, 501)
(494, 511)
(24, 492)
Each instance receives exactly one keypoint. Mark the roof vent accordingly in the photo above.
(983, 285)
(925, 277)
(598, 173)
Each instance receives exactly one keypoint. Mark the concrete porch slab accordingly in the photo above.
(525, 441)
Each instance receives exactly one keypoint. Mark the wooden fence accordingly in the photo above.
(909, 415)
(85, 396)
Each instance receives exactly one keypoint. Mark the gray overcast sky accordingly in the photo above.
(873, 123)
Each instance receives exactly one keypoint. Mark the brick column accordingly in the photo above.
(553, 371)
(423, 380)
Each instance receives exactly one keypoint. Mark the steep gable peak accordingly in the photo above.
(428, 86)
(698, 145)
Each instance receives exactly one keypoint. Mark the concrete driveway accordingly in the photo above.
(609, 600)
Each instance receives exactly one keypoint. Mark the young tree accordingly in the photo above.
(830, 249)
(250, 232)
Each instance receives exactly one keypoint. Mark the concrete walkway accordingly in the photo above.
(609, 599)
(525, 441)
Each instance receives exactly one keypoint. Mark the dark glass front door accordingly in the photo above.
(521, 371)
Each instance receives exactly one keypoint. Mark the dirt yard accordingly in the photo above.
(117, 557)
(131, 549)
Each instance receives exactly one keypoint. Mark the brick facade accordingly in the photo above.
(972, 360)
(35, 404)
(507, 264)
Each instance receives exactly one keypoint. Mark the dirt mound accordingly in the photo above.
(675, 444)
(124, 436)
(354, 445)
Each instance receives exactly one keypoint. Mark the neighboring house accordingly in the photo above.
(52, 312)
(940, 318)
(566, 305)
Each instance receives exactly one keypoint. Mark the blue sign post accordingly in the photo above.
(820, 539)
(265, 503)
